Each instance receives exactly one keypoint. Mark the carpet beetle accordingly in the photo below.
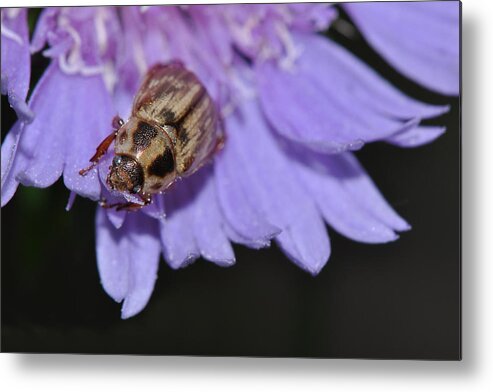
(173, 130)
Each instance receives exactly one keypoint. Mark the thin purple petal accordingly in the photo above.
(237, 204)
(9, 147)
(347, 197)
(297, 110)
(16, 61)
(128, 260)
(417, 136)
(177, 237)
(73, 114)
(113, 261)
(88, 124)
(357, 82)
(335, 101)
(42, 141)
(237, 238)
(420, 39)
(45, 25)
(116, 217)
(268, 175)
(10, 166)
(70, 201)
(156, 209)
(362, 188)
(193, 226)
(208, 221)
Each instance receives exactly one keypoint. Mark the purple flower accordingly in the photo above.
(294, 103)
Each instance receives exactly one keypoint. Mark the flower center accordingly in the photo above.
(72, 62)
(264, 34)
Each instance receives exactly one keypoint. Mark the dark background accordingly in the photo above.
(397, 300)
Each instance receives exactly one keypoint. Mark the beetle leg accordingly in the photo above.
(146, 198)
(128, 206)
(100, 151)
(103, 147)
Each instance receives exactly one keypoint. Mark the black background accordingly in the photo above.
(397, 300)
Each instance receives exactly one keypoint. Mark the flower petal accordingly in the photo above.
(177, 237)
(87, 126)
(298, 111)
(208, 221)
(417, 136)
(116, 217)
(16, 60)
(208, 19)
(128, 260)
(357, 83)
(333, 114)
(149, 27)
(237, 204)
(42, 140)
(46, 24)
(360, 186)
(347, 197)
(354, 117)
(156, 209)
(237, 238)
(73, 114)
(269, 178)
(312, 17)
(10, 165)
(112, 258)
(193, 226)
(420, 39)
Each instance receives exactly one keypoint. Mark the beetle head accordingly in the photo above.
(126, 175)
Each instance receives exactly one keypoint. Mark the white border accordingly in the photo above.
(475, 373)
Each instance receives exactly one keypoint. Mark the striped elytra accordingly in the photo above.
(173, 131)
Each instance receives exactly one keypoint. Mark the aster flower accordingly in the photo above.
(294, 105)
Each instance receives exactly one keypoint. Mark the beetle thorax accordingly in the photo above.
(151, 147)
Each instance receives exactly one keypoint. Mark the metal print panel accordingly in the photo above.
(232, 180)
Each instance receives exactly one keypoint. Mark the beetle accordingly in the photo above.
(174, 129)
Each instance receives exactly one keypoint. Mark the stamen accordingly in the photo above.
(7, 33)
(109, 76)
(242, 84)
(266, 48)
(243, 90)
(73, 63)
(12, 13)
(91, 70)
(228, 108)
(242, 34)
(65, 66)
(101, 34)
(286, 14)
(139, 56)
(292, 51)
